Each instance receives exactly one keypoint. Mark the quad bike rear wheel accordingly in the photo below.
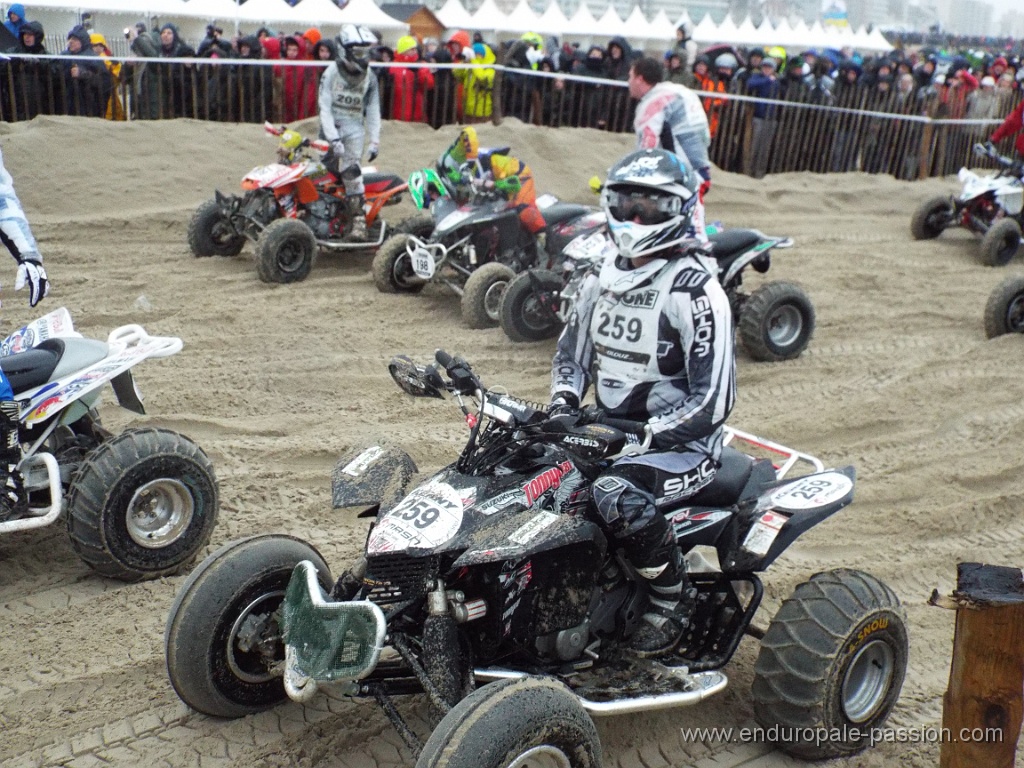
(776, 322)
(831, 664)
(932, 217)
(1004, 311)
(1000, 243)
(420, 224)
(223, 640)
(142, 504)
(481, 296)
(392, 267)
(285, 252)
(529, 306)
(530, 722)
(211, 234)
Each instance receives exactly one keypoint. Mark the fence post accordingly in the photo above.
(497, 107)
(986, 676)
(924, 162)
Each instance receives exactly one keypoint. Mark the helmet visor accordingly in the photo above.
(642, 205)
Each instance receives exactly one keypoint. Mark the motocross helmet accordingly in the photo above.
(287, 145)
(649, 199)
(354, 49)
(425, 186)
(466, 146)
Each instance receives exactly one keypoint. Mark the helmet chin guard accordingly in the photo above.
(354, 42)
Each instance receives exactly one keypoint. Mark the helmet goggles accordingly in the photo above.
(358, 52)
(642, 205)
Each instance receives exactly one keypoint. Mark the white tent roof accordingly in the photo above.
(876, 42)
(487, 17)
(610, 22)
(320, 13)
(748, 34)
(266, 10)
(661, 27)
(368, 13)
(221, 10)
(553, 21)
(583, 22)
(706, 31)
(683, 19)
(637, 27)
(522, 19)
(134, 7)
(453, 14)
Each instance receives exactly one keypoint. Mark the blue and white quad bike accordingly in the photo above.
(139, 505)
(991, 206)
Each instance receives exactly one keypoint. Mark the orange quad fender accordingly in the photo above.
(381, 190)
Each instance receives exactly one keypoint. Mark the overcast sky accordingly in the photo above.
(1005, 5)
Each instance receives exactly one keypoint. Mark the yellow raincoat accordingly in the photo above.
(479, 92)
(115, 110)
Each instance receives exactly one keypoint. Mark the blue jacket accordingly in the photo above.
(15, 28)
(763, 87)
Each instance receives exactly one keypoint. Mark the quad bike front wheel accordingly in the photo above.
(481, 296)
(1000, 243)
(529, 306)
(142, 505)
(285, 252)
(831, 664)
(1004, 311)
(932, 217)
(530, 722)
(776, 322)
(420, 224)
(392, 267)
(211, 234)
(223, 641)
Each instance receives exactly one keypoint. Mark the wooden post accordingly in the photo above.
(983, 707)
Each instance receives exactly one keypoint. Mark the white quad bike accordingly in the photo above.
(990, 206)
(139, 505)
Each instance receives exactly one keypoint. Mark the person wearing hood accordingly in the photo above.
(619, 108)
(479, 91)
(592, 95)
(214, 44)
(684, 47)
(41, 81)
(520, 92)
(144, 77)
(255, 82)
(849, 94)
(15, 19)
(177, 79)
(115, 110)
(86, 80)
(410, 85)
(17, 236)
(299, 82)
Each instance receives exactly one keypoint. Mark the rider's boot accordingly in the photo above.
(13, 499)
(358, 216)
(654, 554)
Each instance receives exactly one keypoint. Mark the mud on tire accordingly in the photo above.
(776, 322)
(210, 233)
(833, 658)
(142, 505)
(510, 719)
(1000, 243)
(481, 296)
(420, 224)
(285, 252)
(392, 267)
(925, 223)
(235, 591)
(1004, 310)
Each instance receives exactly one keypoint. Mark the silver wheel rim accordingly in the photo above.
(867, 681)
(492, 299)
(159, 513)
(251, 617)
(543, 756)
(785, 325)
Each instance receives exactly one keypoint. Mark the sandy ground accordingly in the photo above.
(276, 381)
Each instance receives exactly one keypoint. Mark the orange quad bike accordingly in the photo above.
(291, 209)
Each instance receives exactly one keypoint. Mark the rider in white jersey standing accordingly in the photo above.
(652, 332)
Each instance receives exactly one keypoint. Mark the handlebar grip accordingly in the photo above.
(624, 425)
(443, 359)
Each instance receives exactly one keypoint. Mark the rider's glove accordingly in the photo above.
(509, 186)
(564, 408)
(374, 151)
(338, 147)
(33, 275)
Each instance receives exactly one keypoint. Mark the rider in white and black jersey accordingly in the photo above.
(653, 333)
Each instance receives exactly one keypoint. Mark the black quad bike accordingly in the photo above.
(775, 322)
(487, 589)
(991, 206)
(475, 249)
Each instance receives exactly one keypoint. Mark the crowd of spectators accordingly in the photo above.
(543, 81)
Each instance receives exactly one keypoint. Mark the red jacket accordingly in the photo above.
(410, 86)
(1013, 124)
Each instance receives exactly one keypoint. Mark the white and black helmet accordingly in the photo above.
(649, 199)
(354, 44)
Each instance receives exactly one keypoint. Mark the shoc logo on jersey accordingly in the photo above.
(645, 299)
(703, 328)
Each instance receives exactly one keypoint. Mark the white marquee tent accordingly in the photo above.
(453, 14)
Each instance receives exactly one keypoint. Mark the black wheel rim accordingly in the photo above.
(538, 311)
(291, 255)
(1008, 247)
(1015, 314)
(255, 639)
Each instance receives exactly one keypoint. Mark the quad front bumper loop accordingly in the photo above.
(326, 642)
